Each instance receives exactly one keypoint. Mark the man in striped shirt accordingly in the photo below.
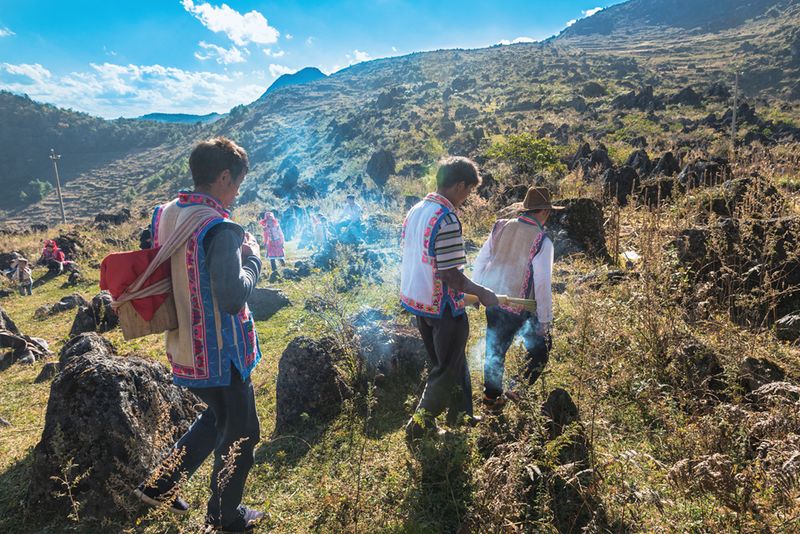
(432, 286)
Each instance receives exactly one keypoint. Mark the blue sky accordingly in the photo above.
(117, 59)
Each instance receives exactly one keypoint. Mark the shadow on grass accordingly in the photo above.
(291, 445)
(14, 517)
(442, 488)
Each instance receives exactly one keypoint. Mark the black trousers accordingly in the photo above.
(449, 385)
(229, 419)
(501, 328)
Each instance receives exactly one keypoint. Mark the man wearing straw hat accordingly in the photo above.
(517, 260)
(432, 287)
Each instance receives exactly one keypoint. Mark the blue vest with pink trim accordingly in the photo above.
(208, 340)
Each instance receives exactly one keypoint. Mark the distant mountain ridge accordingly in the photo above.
(313, 135)
(306, 75)
(180, 118)
(695, 15)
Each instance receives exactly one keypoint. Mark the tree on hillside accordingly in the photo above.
(528, 153)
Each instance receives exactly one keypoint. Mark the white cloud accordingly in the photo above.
(111, 90)
(223, 56)
(360, 56)
(5, 32)
(251, 27)
(394, 49)
(310, 41)
(279, 70)
(34, 73)
(277, 53)
(289, 36)
(585, 13)
(518, 40)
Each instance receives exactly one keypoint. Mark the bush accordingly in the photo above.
(527, 152)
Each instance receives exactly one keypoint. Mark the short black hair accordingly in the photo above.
(455, 169)
(209, 158)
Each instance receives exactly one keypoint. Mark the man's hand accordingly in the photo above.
(250, 246)
(488, 298)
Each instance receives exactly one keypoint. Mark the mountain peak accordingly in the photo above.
(306, 75)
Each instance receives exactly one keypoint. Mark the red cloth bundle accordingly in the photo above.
(121, 269)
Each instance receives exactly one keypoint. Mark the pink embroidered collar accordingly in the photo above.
(439, 199)
(193, 197)
(529, 220)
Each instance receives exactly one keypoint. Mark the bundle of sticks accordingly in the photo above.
(526, 304)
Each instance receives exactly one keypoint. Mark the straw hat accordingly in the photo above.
(537, 198)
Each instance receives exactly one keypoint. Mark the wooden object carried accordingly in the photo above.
(526, 304)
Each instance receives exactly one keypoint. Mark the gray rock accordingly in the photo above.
(308, 383)
(4, 422)
(266, 302)
(756, 372)
(787, 328)
(49, 371)
(114, 418)
(99, 316)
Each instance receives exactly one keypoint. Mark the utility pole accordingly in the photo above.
(733, 117)
(55, 157)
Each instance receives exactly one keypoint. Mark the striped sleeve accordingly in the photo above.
(449, 244)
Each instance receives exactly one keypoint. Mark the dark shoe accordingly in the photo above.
(474, 420)
(246, 522)
(416, 432)
(151, 497)
(494, 405)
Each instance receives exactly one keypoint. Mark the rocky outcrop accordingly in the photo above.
(644, 100)
(16, 347)
(686, 97)
(704, 173)
(620, 183)
(265, 302)
(109, 421)
(308, 385)
(98, 316)
(66, 303)
(578, 228)
(116, 218)
(380, 166)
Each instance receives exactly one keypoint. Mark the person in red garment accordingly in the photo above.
(273, 240)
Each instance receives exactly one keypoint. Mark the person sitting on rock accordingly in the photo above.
(23, 276)
(52, 257)
(349, 226)
(215, 347)
(432, 287)
(273, 240)
(517, 260)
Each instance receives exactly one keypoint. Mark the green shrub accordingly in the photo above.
(525, 151)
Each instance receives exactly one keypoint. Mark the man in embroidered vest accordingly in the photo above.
(517, 260)
(215, 348)
(432, 286)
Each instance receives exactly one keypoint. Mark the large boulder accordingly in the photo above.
(390, 353)
(640, 161)
(265, 302)
(757, 372)
(704, 173)
(620, 183)
(578, 228)
(117, 218)
(71, 243)
(380, 166)
(686, 97)
(98, 316)
(68, 302)
(109, 421)
(644, 100)
(308, 385)
(17, 347)
(667, 165)
(787, 328)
